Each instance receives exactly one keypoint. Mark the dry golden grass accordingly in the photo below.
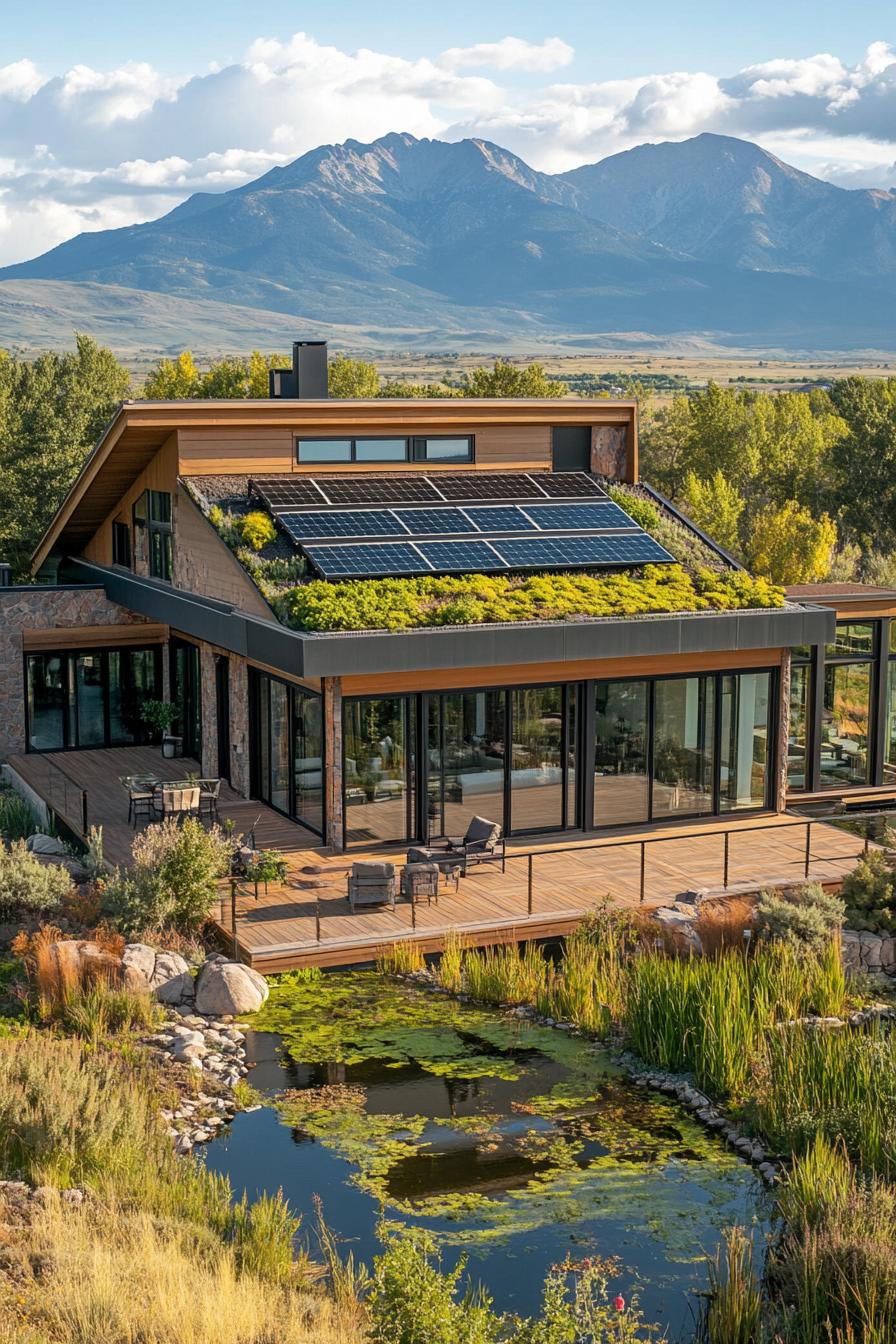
(721, 923)
(100, 1273)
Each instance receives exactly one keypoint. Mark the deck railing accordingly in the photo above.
(62, 794)
(800, 858)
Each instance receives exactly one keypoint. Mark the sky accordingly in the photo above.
(113, 113)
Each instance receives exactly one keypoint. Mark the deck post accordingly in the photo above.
(317, 915)
(725, 874)
(808, 847)
(643, 865)
(84, 813)
(331, 690)
(530, 885)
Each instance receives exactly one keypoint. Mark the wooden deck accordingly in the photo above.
(308, 922)
(61, 778)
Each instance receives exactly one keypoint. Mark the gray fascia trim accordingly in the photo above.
(455, 648)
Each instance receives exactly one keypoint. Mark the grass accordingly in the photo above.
(119, 1275)
(402, 958)
(734, 1301)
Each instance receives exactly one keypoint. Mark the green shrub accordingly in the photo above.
(17, 819)
(257, 530)
(806, 917)
(869, 894)
(644, 511)
(173, 880)
(472, 599)
(412, 1301)
(28, 886)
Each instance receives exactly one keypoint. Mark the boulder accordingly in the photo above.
(141, 959)
(171, 980)
(871, 943)
(229, 987)
(46, 844)
(851, 949)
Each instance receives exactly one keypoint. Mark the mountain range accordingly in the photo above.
(447, 244)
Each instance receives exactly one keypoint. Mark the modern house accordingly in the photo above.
(146, 586)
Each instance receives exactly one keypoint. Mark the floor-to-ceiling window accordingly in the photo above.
(287, 748)
(621, 738)
(378, 736)
(800, 722)
(846, 716)
(543, 723)
(466, 756)
(744, 751)
(889, 763)
(683, 746)
(79, 699)
(186, 694)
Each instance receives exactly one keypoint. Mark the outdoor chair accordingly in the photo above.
(483, 840)
(140, 803)
(419, 880)
(371, 884)
(177, 800)
(209, 793)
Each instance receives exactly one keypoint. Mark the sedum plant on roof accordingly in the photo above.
(476, 599)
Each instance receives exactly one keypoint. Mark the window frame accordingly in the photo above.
(158, 530)
(121, 533)
(414, 449)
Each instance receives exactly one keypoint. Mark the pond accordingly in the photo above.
(516, 1144)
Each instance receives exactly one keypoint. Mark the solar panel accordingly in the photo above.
(567, 484)
(579, 517)
(495, 485)
(287, 492)
(453, 557)
(363, 560)
(434, 522)
(545, 552)
(342, 523)
(378, 490)
(499, 518)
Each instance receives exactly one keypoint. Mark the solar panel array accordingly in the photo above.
(355, 527)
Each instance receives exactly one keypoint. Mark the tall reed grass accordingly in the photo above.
(400, 959)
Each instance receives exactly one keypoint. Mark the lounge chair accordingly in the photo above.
(483, 840)
(371, 884)
(177, 800)
(419, 880)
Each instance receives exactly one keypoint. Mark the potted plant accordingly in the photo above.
(159, 715)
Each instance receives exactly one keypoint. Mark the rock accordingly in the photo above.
(46, 844)
(229, 987)
(871, 947)
(851, 950)
(141, 959)
(171, 980)
(185, 1036)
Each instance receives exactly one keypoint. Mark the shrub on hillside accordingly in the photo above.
(256, 529)
(806, 917)
(869, 893)
(173, 879)
(28, 886)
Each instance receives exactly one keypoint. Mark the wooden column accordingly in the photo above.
(331, 689)
(783, 732)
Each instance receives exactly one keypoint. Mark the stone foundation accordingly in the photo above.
(872, 953)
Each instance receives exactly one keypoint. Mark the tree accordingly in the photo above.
(173, 379)
(788, 545)
(352, 377)
(402, 387)
(864, 458)
(510, 380)
(715, 506)
(52, 411)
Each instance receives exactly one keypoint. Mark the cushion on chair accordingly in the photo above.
(482, 833)
(367, 869)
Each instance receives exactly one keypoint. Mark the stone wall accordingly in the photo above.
(239, 716)
(873, 953)
(59, 609)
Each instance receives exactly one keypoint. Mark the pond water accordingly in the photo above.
(513, 1143)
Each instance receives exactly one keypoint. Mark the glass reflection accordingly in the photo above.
(621, 781)
(378, 756)
(537, 765)
(844, 724)
(466, 760)
(308, 759)
(798, 734)
(684, 716)
(743, 762)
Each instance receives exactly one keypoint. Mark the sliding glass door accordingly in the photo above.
(378, 737)
(287, 749)
(186, 693)
(621, 767)
(683, 746)
(744, 749)
(79, 699)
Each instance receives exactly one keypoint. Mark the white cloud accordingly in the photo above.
(92, 149)
(511, 53)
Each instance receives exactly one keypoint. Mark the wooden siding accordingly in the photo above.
(93, 637)
(159, 474)
(533, 674)
(225, 451)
